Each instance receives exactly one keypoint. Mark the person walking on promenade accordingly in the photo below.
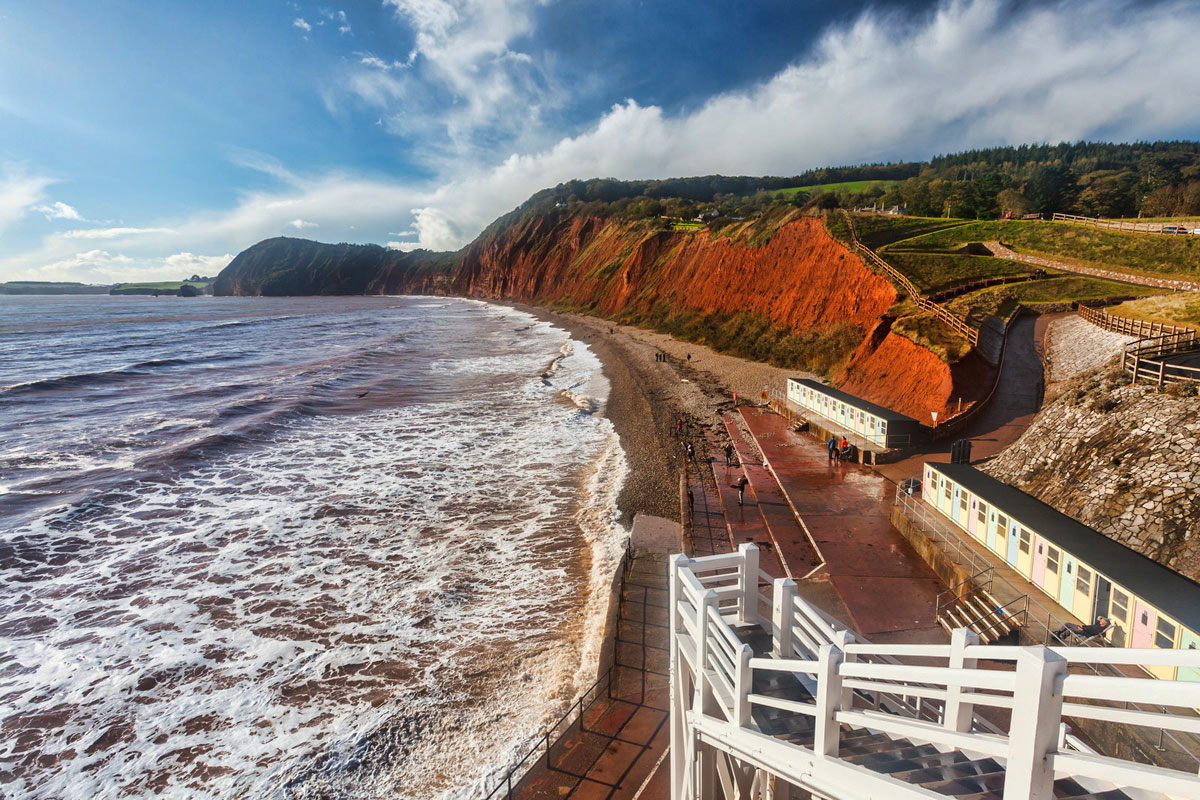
(729, 455)
(741, 487)
(832, 445)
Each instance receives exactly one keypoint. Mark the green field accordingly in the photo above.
(880, 230)
(676, 225)
(1136, 253)
(161, 285)
(934, 272)
(1180, 308)
(1003, 300)
(846, 187)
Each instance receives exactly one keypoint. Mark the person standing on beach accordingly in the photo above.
(741, 487)
(691, 451)
(679, 427)
(729, 455)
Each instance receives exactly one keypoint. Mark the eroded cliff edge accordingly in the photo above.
(784, 279)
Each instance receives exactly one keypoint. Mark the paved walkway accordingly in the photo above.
(617, 751)
(888, 591)
(1017, 399)
(766, 519)
(1001, 251)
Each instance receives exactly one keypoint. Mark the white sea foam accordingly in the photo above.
(382, 603)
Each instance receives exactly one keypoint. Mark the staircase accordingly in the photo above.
(969, 605)
(773, 699)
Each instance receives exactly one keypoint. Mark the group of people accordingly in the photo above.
(836, 448)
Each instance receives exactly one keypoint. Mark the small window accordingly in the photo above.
(1083, 581)
(1164, 634)
(982, 514)
(1052, 560)
(1003, 524)
(962, 505)
(946, 488)
(1026, 541)
(1120, 604)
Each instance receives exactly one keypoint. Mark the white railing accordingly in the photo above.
(924, 693)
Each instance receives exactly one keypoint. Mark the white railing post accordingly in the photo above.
(678, 702)
(959, 714)
(707, 600)
(829, 700)
(748, 577)
(784, 612)
(840, 640)
(1033, 734)
(743, 680)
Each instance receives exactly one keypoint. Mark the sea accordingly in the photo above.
(351, 547)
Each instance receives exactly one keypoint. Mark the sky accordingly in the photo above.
(154, 140)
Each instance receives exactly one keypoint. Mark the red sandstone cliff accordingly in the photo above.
(800, 279)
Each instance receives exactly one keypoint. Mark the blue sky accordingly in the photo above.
(144, 140)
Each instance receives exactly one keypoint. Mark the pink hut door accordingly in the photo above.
(1039, 563)
(1144, 619)
(971, 516)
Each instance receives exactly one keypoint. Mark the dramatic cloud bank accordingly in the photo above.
(970, 73)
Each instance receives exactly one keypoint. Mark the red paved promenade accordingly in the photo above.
(887, 589)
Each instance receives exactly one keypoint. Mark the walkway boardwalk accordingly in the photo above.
(889, 592)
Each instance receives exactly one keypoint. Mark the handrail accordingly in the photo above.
(924, 303)
(1180, 229)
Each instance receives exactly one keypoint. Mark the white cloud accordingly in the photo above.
(463, 49)
(975, 73)
(301, 224)
(406, 247)
(299, 22)
(187, 264)
(110, 233)
(19, 192)
(58, 210)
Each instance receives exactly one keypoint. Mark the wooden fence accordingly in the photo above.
(924, 303)
(1144, 358)
(1176, 228)
(1140, 328)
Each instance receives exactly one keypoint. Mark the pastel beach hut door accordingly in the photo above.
(1189, 641)
(1039, 564)
(1013, 537)
(954, 515)
(1144, 619)
(1066, 589)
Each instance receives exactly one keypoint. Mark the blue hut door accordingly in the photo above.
(1066, 589)
(1013, 538)
(954, 506)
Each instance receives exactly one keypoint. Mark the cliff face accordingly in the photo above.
(284, 266)
(800, 279)
(1124, 460)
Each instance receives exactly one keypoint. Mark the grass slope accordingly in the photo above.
(1137, 253)
(1182, 308)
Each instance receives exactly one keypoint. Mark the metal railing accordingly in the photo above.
(1034, 629)
(546, 739)
(846, 681)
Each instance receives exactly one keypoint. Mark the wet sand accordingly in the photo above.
(647, 396)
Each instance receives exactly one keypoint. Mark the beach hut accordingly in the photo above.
(880, 426)
(1080, 569)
